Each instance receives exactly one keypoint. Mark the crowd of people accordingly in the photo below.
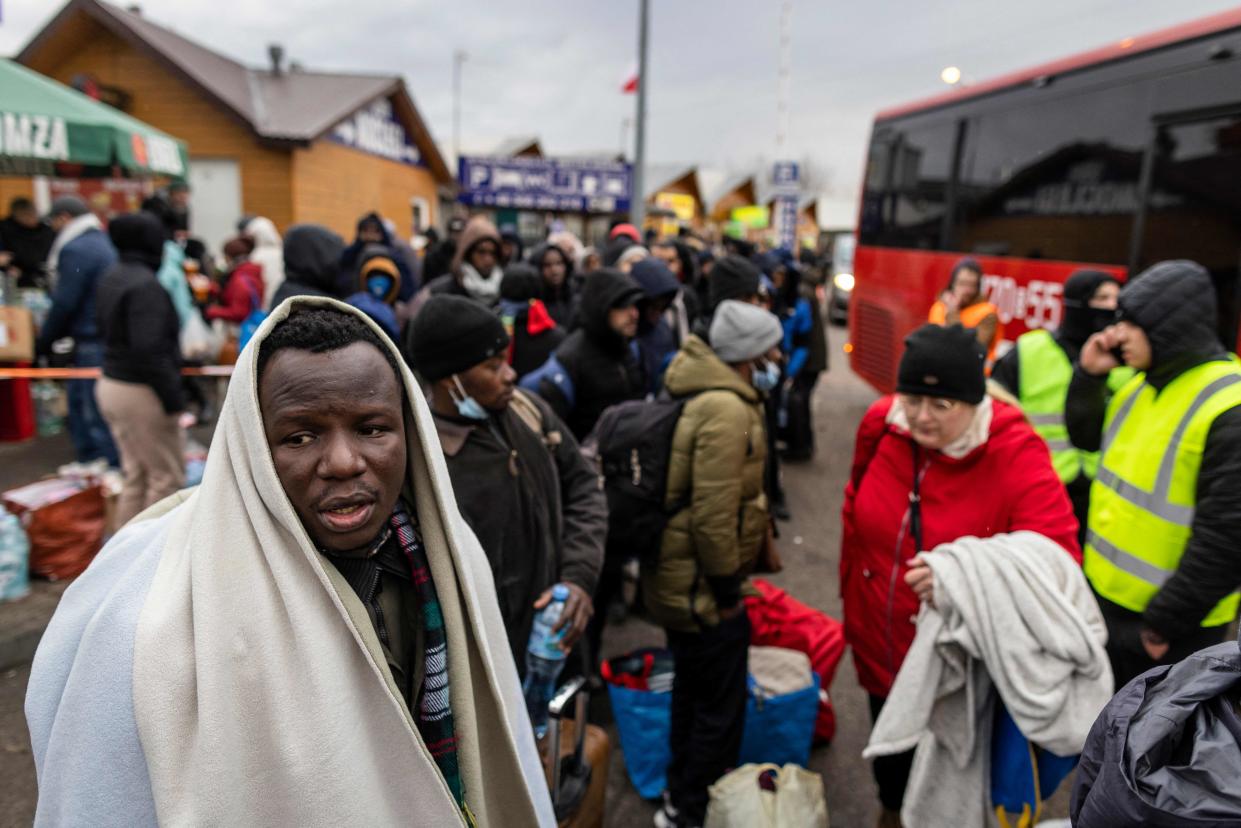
(414, 452)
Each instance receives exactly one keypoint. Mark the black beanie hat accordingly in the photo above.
(943, 362)
(732, 278)
(452, 334)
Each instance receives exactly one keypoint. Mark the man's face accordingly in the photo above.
(668, 255)
(554, 268)
(1134, 345)
(624, 321)
(1106, 296)
(335, 426)
(180, 199)
(27, 218)
(59, 221)
(483, 256)
(490, 383)
(967, 285)
(371, 234)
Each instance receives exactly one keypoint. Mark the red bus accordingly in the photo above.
(1115, 159)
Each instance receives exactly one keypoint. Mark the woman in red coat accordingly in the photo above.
(243, 289)
(980, 470)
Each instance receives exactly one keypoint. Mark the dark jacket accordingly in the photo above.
(533, 501)
(351, 257)
(603, 368)
(1166, 751)
(80, 266)
(29, 247)
(558, 300)
(137, 322)
(311, 262)
(535, 334)
(1174, 303)
(657, 340)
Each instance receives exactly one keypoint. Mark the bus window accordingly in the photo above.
(1194, 206)
(1057, 179)
(906, 186)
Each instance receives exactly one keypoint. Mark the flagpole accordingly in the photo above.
(637, 205)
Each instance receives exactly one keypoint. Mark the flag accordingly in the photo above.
(629, 84)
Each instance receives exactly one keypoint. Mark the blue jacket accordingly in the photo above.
(80, 264)
(797, 328)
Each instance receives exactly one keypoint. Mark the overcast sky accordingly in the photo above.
(554, 69)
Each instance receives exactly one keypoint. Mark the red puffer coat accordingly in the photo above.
(1006, 484)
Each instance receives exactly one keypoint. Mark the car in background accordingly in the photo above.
(840, 286)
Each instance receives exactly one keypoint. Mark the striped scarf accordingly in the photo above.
(434, 713)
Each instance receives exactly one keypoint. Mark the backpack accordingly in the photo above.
(634, 442)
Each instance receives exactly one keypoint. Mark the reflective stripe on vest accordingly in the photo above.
(1142, 500)
(1043, 375)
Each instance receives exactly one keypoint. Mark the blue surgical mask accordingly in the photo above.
(378, 286)
(766, 378)
(467, 406)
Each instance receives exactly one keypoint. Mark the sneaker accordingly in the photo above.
(666, 819)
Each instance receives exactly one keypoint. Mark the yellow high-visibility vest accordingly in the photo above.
(1043, 376)
(1142, 500)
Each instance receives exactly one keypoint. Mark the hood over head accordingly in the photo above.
(312, 256)
(604, 290)
(655, 278)
(538, 254)
(519, 247)
(377, 260)
(1174, 303)
(1081, 320)
(614, 248)
(521, 283)
(477, 230)
(138, 238)
(374, 220)
(263, 232)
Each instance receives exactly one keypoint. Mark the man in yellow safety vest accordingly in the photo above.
(1037, 371)
(1163, 541)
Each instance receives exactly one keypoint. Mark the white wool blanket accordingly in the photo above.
(1013, 615)
(233, 678)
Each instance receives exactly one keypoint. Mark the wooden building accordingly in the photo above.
(280, 141)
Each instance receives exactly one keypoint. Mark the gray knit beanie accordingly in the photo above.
(741, 332)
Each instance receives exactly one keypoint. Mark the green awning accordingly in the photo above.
(45, 125)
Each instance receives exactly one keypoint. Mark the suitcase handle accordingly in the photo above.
(573, 689)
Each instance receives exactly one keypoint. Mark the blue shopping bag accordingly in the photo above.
(779, 729)
(1023, 775)
(644, 722)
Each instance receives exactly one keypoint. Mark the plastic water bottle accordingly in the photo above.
(544, 660)
(14, 558)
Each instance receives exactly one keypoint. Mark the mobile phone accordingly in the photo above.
(1119, 354)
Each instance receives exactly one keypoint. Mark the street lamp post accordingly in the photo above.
(637, 206)
(458, 58)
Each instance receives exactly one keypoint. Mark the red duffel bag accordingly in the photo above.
(778, 620)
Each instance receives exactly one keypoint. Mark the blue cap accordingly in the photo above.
(560, 592)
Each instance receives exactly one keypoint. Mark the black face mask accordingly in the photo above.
(1082, 321)
(1101, 318)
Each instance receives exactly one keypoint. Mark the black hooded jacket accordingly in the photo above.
(351, 258)
(520, 287)
(1174, 303)
(603, 367)
(311, 263)
(1166, 751)
(137, 321)
(559, 300)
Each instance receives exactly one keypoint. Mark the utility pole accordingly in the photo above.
(637, 205)
(626, 122)
(785, 76)
(458, 58)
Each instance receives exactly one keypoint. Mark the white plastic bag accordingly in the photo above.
(198, 342)
(739, 801)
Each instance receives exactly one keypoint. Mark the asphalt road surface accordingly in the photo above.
(810, 547)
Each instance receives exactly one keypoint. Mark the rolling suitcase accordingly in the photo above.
(578, 781)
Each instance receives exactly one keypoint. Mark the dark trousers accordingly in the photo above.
(799, 428)
(771, 471)
(607, 590)
(1124, 643)
(87, 428)
(708, 710)
(891, 772)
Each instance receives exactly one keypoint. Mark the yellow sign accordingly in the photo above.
(754, 216)
(684, 206)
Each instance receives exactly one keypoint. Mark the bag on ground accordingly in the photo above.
(767, 796)
(779, 620)
(781, 709)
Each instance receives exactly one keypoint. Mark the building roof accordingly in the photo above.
(519, 145)
(657, 176)
(730, 185)
(295, 105)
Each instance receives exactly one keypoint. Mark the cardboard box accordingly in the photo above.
(16, 335)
